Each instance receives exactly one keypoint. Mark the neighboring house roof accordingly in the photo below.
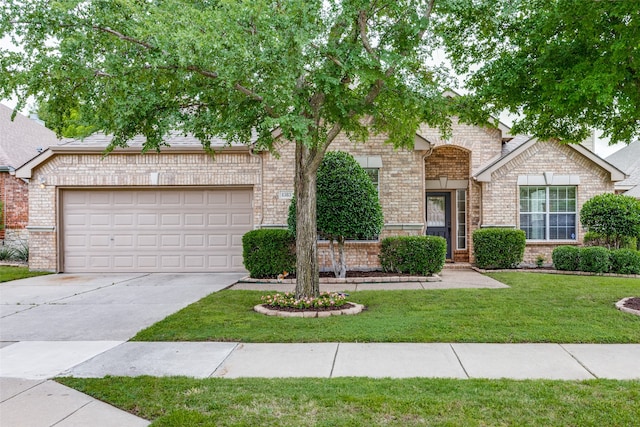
(628, 160)
(521, 143)
(21, 139)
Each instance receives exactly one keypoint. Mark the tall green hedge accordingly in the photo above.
(498, 247)
(419, 255)
(268, 252)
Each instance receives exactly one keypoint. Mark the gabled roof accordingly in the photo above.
(21, 139)
(628, 160)
(98, 142)
(521, 143)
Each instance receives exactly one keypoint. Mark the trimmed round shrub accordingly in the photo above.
(625, 261)
(419, 255)
(498, 247)
(566, 258)
(595, 259)
(614, 216)
(268, 252)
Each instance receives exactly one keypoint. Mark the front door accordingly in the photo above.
(439, 217)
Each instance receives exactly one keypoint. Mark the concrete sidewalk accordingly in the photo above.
(66, 325)
(27, 360)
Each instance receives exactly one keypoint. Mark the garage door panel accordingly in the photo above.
(170, 198)
(147, 262)
(219, 220)
(147, 241)
(124, 241)
(194, 241)
(97, 220)
(155, 230)
(123, 262)
(170, 219)
(100, 241)
(194, 220)
(123, 220)
(218, 240)
(240, 219)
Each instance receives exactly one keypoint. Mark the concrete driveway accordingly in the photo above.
(98, 307)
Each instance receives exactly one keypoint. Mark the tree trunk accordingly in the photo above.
(343, 258)
(338, 261)
(307, 272)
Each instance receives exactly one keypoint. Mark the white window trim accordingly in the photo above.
(547, 231)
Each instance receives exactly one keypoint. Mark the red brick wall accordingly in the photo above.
(14, 194)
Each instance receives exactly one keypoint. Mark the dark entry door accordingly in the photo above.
(439, 217)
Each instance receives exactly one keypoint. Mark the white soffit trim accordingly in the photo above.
(448, 184)
(548, 178)
(421, 144)
(369, 161)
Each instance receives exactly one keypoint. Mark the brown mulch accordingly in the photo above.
(633, 303)
(293, 309)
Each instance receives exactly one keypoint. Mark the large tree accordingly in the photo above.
(302, 70)
(348, 206)
(563, 66)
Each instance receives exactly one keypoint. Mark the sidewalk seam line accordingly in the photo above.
(459, 361)
(224, 360)
(578, 360)
(25, 390)
(74, 412)
(333, 364)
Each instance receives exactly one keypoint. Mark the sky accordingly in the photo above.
(602, 147)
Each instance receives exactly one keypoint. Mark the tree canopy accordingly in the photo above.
(312, 69)
(563, 66)
(236, 69)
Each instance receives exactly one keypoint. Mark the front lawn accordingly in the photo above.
(8, 273)
(171, 402)
(537, 308)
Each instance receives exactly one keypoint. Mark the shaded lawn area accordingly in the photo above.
(537, 308)
(182, 401)
(8, 273)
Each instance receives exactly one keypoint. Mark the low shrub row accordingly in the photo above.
(268, 253)
(596, 259)
(419, 255)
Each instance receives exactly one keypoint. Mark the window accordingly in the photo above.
(461, 210)
(548, 213)
(374, 177)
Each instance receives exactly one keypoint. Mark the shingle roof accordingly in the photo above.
(21, 138)
(174, 140)
(628, 160)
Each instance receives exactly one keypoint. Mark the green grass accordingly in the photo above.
(14, 273)
(368, 402)
(537, 308)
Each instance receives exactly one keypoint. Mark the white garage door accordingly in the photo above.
(167, 230)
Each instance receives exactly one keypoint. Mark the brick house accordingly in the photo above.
(181, 210)
(20, 140)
